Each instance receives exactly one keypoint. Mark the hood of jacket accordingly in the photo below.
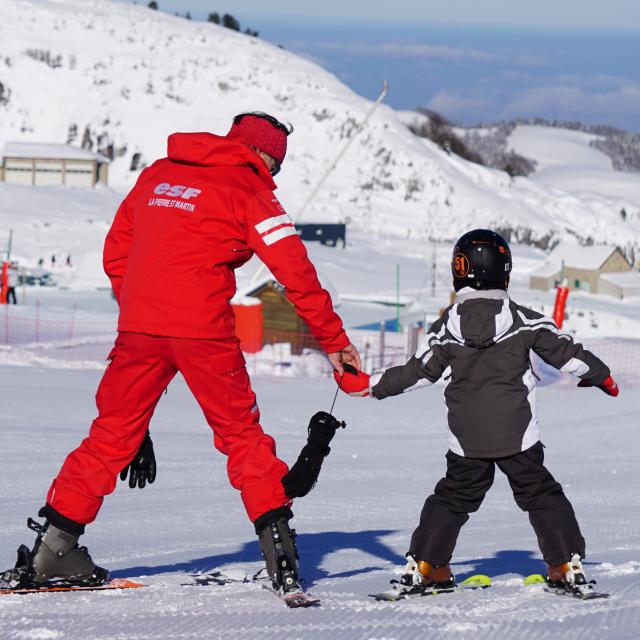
(210, 150)
(480, 318)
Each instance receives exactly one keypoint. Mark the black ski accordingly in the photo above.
(400, 592)
(580, 591)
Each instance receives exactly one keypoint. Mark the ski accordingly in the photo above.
(404, 592)
(59, 587)
(215, 578)
(293, 600)
(580, 591)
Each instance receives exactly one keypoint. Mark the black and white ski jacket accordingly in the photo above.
(481, 347)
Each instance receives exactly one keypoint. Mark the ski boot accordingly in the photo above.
(567, 575)
(569, 579)
(423, 575)
(56, 559)
(277, 543)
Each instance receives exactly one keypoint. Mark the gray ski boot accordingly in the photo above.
(56, 558)
(277, 543)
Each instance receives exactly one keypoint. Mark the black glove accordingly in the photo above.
(143, 466)
(302, 477)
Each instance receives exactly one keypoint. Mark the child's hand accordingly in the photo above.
(352, 381)
(609, 386)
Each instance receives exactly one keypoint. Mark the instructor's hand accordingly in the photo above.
(353, 382)
(348, 355)
(142, 468)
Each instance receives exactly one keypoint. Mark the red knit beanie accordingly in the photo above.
(261, 131)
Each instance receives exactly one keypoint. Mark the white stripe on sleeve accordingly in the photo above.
(575, 367)
(272, 223)
(279, 234)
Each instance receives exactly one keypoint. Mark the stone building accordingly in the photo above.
(40, 164)
(581, 266)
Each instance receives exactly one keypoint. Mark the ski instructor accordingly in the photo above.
(190, 221)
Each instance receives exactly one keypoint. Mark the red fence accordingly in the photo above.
(75, 335)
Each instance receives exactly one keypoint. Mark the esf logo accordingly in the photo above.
(176, 191)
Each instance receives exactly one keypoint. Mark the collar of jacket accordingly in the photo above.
(209, 150)
(467, 293)
(483, 323)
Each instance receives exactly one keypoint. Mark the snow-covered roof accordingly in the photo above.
(49, 151)
(622, 278)
(251, 288)
(547, 270)
(578, 257)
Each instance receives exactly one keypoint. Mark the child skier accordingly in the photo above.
(482, 345)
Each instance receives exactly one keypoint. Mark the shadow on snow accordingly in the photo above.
(315, 547)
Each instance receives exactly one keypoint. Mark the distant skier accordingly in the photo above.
(12, 283)
(189, 222)
(483, 342)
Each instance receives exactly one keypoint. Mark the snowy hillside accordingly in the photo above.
(567, 162)
(123, 77)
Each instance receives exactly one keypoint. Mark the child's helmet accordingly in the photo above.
(481, 260)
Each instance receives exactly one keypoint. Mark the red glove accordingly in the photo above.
(609, 386)
(352, 381)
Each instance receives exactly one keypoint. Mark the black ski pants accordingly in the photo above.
(463, 489)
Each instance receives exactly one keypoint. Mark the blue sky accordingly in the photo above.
(472, 61)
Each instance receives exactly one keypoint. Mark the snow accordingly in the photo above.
(354, 527)
(579, 257)
(566, 163)
(623, 278)
(55, 151)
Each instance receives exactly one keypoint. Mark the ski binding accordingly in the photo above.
(580, 591)
(417, 591)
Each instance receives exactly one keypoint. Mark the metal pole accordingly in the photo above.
(433, 270)
(398, 298)
(332, 166)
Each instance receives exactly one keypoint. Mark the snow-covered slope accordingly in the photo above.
(124, 77)
(566, 162)
(354, 527)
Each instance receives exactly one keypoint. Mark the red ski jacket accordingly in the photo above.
(191, 219)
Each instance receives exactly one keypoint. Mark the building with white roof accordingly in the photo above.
(581, 266)
(620, 285)
(40, 164)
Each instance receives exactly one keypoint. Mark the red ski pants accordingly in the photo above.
(141, 367)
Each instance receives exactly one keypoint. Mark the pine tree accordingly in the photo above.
(214, 17)
(230, 22)
(153, 5)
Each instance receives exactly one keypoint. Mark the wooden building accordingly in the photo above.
(280, 322)
(581, 266)
(39, 164)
